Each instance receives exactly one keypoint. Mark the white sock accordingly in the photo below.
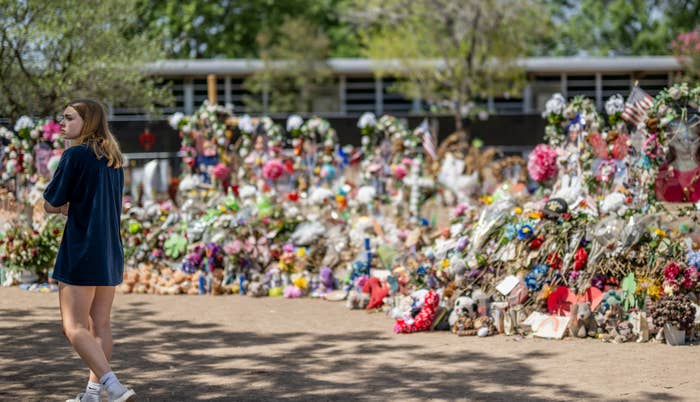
(113, 387)
(93, 392)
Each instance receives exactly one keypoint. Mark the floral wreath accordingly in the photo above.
(670, 106)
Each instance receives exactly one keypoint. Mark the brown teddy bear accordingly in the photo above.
(583, 323)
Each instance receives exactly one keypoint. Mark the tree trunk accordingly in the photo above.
(461, 132)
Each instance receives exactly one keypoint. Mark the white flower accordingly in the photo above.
(221, 141)
(24, 122)
(555, 105)
(616, 104)
(267, 123)
(243, 152)
(245, 124)
(614, 202)
(28, 159)
(175, 119)
(365, 140)
(294, 122)
(228, 108)
(187, 128)
(366, 194)
(34, 134)
(368, 119)
(5, 133)
(674, 92)
(247, 191)
(483, 115)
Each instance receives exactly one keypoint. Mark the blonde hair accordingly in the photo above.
(95, 131)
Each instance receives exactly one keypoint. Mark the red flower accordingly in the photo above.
(580, 258)
(293, 196)
(56, 232)
(566, 216)
(536, 243)
(554, 261)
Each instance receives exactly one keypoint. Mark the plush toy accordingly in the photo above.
(357, 300)
(256, 286)
(425, 317)
(327, 280)
(467, 326)
(464, 307)
(583, 323)
(376, 291)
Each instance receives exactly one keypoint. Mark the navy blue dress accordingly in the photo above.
(91, 251)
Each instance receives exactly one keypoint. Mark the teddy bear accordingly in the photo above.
(583, 323)
(256, 287)
(467, 326)
(357, 300)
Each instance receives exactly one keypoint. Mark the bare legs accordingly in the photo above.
(85, 312)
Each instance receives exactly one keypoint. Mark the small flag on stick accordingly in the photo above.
(637, 105)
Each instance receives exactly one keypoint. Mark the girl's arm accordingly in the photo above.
(63, 209)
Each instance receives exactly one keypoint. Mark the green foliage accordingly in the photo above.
(294, 73)
(450, 52)
(30, 247)
(53, 51)
(230, 28)
(618, 27)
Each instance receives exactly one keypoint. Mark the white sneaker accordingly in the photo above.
(128, 396)
(78, 398)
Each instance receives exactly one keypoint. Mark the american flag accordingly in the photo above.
(428, 144)
(637, 105)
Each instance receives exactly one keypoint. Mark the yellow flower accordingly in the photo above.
(659, 232)
(535, 215)
(518, 210)
(222, 208)
(317, 170)
(487, 199)
(445, 263)
(301, 252)
(301, 282)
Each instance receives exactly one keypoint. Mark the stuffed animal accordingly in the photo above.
(425, 317)
(357, 300)
(464, 307)
(582, 323)
(467, 326)
(256, 287)
(377, 293)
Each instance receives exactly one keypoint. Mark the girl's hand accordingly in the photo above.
(64, 209)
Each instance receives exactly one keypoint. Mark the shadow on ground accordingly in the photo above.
(175, 360)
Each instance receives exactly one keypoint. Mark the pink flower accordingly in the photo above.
(542, 163)
(690, 278)
(288, 248)
(292, 292)
(460, 209)
(400, 171)
(220, 171)
(671, 271)
(233, 247)
(51, 129)
(273, 169)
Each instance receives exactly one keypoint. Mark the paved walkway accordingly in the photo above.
(189, 348)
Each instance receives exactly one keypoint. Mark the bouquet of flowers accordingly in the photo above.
(676, 310)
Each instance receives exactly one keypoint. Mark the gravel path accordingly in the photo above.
(189, 348)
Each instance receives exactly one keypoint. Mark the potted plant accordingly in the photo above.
(675, 314)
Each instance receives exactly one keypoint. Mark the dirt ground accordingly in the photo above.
(190, 348)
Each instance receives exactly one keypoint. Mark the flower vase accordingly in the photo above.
(674, 336)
